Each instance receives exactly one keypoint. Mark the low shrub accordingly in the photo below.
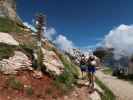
(6, 51)
(68, 65)
(108, 71)
(108, 94)
(66, 80)
(7, 25)
(49, 91)
(28, 50)
(29, 90)
(14, 83)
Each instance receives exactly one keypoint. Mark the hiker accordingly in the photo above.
(91, 70)
(83, 65)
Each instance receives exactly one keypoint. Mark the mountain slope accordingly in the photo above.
(14, 47)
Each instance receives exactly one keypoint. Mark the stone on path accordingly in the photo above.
(37, 74)
(98, 88)
(95, 96)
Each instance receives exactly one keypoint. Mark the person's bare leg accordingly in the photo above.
(82, 74)
(89, 78)
(85, 74)
(92, 81)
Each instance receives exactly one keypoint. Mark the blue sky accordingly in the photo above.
(85, 22)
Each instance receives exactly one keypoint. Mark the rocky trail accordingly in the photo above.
(122, 89)
(82, 92)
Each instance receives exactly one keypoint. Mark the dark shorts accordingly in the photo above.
(83, 68)
(91, 69)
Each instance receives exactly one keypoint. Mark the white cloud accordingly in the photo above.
(30, 26)
(49, 33)
(63, 43)
(121, 39)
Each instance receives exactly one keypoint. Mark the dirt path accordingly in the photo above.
(122, 89)
(82, 92)
(78, 94)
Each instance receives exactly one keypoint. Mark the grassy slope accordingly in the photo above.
(6, 25)
(6, 51)
(27, 43)
(107, 71)
(108, 94)
(66, 81)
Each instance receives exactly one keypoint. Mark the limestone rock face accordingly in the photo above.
(8, 9)
(8, 39)
(52, 62)
(18, 61)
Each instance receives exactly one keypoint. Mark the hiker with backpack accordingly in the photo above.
(83, 66)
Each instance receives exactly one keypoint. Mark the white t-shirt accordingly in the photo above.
(93, 63)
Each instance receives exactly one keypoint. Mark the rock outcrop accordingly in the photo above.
(18, 61)
(8, 9)
(8, 39)
(52, 62)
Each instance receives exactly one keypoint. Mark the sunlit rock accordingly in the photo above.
(52, 62)
(8, 39)
(18, 61)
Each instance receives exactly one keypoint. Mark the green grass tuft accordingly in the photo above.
(6, 51)
(14, 83)
(29, 90)
(7, 25)
(108, 71)
(108, 94)
(66, 81)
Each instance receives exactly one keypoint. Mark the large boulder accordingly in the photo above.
(8, 39)
(52, 62)
(13, 64)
